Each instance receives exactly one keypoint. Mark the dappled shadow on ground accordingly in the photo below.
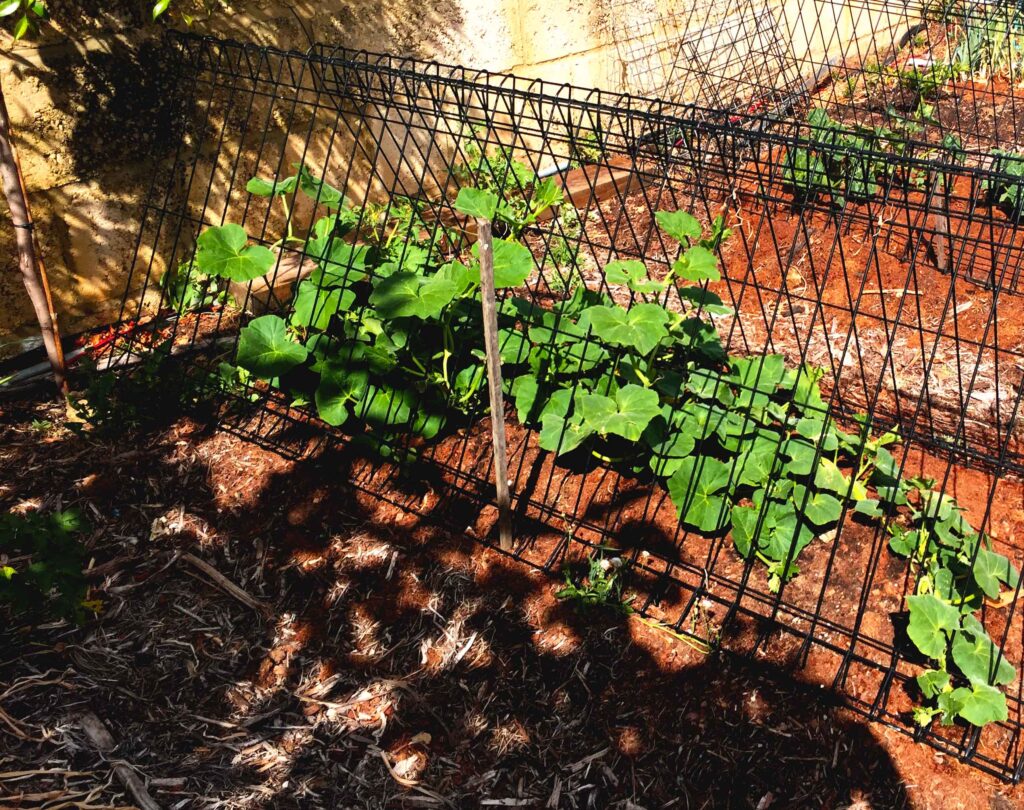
(386, 663)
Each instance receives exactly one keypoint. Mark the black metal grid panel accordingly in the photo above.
(840, 287)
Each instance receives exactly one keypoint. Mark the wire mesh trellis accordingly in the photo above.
(874, 296)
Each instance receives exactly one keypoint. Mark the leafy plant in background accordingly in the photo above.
(991, 40)
(41, 564)
(1006, 188)
(185, 289)
(30, 13)
(851, 161)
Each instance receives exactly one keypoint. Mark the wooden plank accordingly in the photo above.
(273, 292)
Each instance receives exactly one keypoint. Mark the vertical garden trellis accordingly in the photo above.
(344, 273)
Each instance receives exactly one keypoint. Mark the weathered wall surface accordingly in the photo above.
(92, 107)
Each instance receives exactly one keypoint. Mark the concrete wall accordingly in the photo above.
(91, 106)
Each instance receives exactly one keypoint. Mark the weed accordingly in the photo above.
(41, 564)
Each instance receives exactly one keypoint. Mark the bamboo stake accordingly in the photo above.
(33, 271)
(490, 312)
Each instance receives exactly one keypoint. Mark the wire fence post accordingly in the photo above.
(490, 314)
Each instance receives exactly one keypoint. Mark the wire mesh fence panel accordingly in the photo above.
(786, 403)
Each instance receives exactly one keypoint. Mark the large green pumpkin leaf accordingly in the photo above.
(633, 274)
(513, 263)
(221, 251)
(476, 202)
(976, 655)
(980, 705)
(680, 225)
(696, 489)
(820, 508)
(267, 188)
(385, 406)
(744, 528)
(761, 374)
(266, 349)
(560, 435)
(315, 307)
(697, 264)
(932, 622)
(990, 569)
(338, 387)
(641, 327)
(786, 535)
(408, 295)
(627, 415)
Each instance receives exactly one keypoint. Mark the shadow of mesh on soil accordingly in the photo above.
(399, 666)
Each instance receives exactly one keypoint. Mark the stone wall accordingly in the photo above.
(92, 107)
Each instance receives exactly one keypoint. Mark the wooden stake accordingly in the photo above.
(940, 241)
(490, 310)
(33, 272)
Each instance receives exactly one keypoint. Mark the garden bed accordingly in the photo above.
(392, 650)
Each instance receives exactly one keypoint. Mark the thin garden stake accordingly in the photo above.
(33, 272)
(486, 248)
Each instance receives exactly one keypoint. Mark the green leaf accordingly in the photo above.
(21, 27)
(159, 7)
(980, 705)
(477, 203)
(408, 295)
(627, 415)
(266, 188)
(785, 535)
(990, 569)
(744, 528)
(801, 456)
(705, 300)
(976, 655)
(265, 348)
(932, 621)
(8, 8)
(680, 225)
(642, 327)
(315, 307)
(829, 477)
(932, 682)
(695, 489)
(561, 435)
(820, 508)
(632, 273)
(669, 445)
(385, 406)
(319, 190)
(697, 264)
(338, 387)
(513, 263)
(513, 346)
(758, 374)
(757, 459)
(524, 390)
(221, 251)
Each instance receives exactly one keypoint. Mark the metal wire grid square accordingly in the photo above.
(382, 128)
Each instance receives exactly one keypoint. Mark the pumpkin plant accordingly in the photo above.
(384, 340)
